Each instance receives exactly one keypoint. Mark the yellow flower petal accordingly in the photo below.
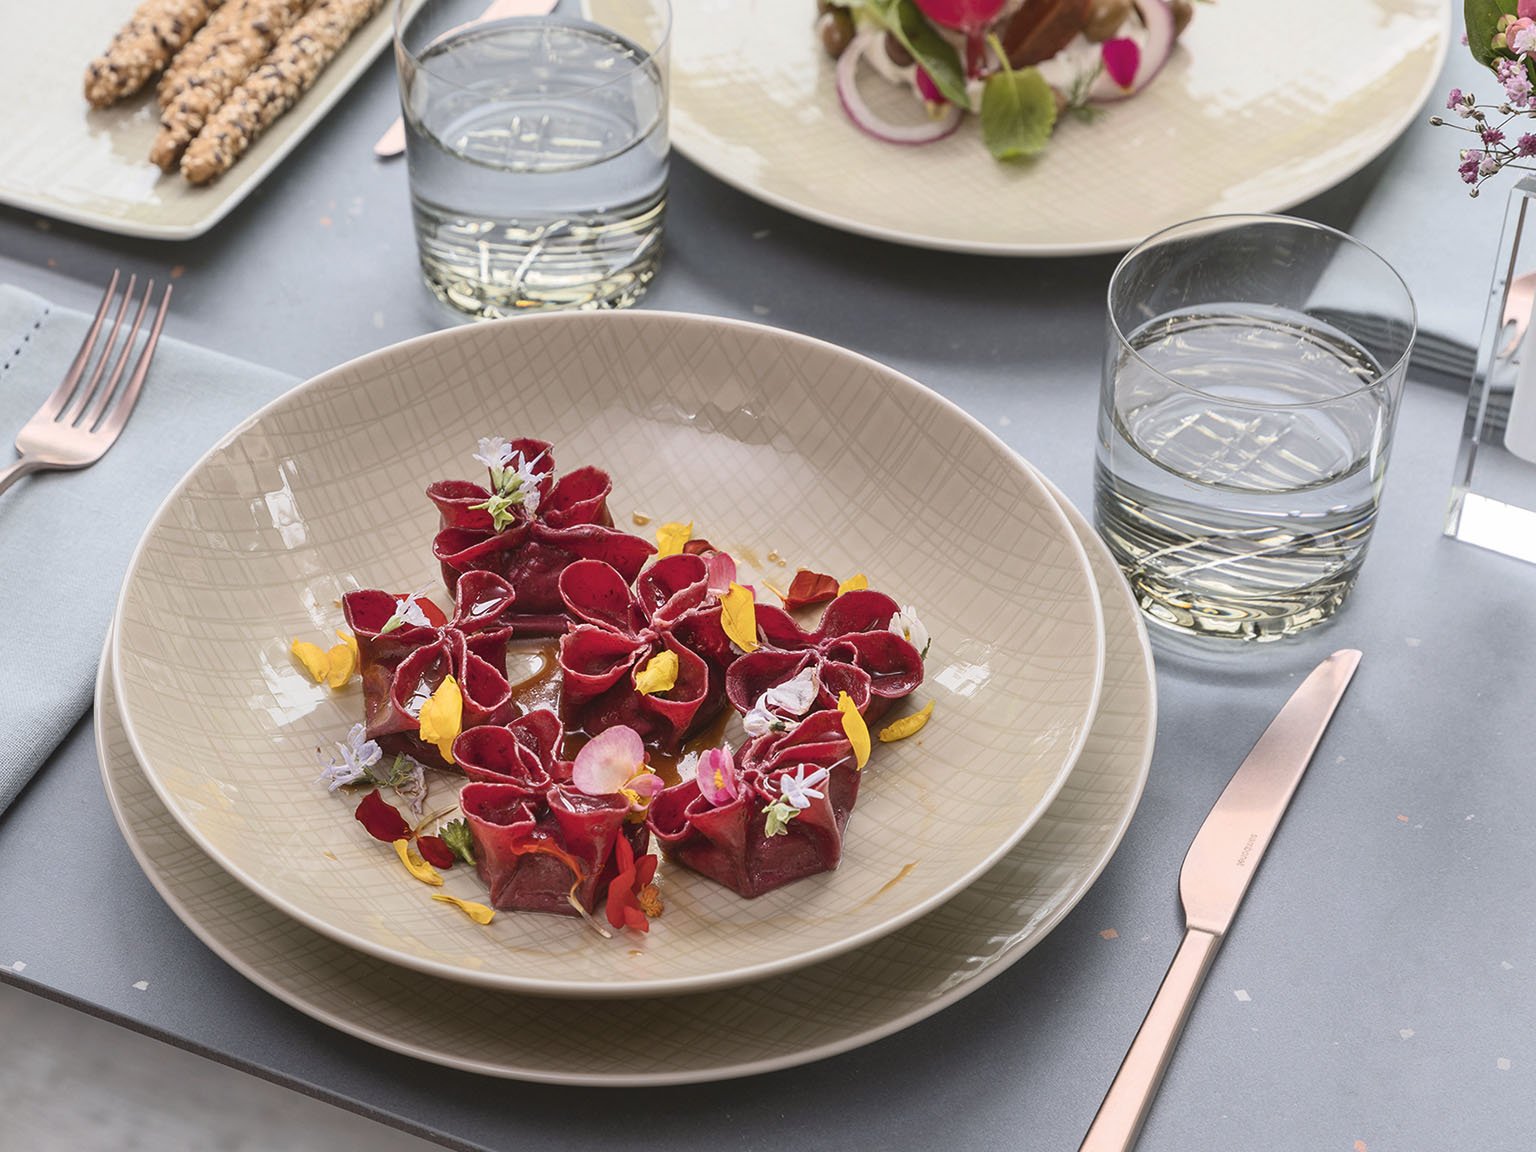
(855, 729)
(479, 913)
(658, 675)
(415, 865)
(907, 725)
(855, 583)
(342, 661)
(349, 640)
(314, 659)
(442, 717)
(671, 537)
(738, 616)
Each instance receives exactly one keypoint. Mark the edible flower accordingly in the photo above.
(855, 583)
(800, 789)
(381, 819)
(613, 762)
(658, 675)
(671, 537)
(1122, 58)
(514, 482)
(408, 610)
(808, 588)
(479, 913)
(906, 625)
(460, 840)
(435, 851)
(855, 729)
(357, 756)
(738, 617)
(442, 717)
(907, 725)
(627, 893)
(795, 696)
(333, 666)
(779, 814)
(414, 864)
(717, 777)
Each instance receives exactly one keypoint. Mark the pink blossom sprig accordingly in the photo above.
(1511, 54)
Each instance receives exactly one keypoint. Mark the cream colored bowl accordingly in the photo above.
(773, 445)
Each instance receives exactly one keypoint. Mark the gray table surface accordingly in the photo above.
(1377, 991)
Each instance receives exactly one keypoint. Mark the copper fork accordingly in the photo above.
(80, 421)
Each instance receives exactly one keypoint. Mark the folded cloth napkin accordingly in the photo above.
(1442, 241)
(66, 537)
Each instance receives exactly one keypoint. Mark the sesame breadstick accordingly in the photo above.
(156, 32)
(245, 28)
(275, 86)
(231, 44)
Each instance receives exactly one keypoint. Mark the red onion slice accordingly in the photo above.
(865, 118)
(1157, 17)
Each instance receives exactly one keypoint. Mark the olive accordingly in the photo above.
(1183, 13)
(1105, 18)
(896, 51)
(836, 30)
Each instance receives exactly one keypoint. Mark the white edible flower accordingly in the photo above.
(408, 610)
(528, 480)
(906, 625)
(793, 696)
(494, 452)
(412, 787)
(759, 721)
(358, 754)
(800, 789)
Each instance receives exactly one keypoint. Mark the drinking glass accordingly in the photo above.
(537, 148)
(1253, 372)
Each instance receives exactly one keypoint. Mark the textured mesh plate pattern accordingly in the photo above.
(831, 1007)
(767, 441)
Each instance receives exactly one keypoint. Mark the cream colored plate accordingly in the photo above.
(61, 158)
(776, 1023)
(768, 442)
(1261, 106)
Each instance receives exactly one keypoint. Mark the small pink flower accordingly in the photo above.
(1526, 10)
(614, 762)
(717, 776)
(1526, 145)
(1122, 58)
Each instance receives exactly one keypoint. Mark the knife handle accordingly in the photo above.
(1129, 1099)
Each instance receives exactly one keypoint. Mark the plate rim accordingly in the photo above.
(626, 988)
(854, 1040)
(696, 149)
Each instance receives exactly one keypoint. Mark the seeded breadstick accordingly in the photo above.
(143, 46)
(240, 29)
(276, 85)
(232, 43)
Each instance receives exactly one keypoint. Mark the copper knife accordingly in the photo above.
(1216, 874)
(392, 143)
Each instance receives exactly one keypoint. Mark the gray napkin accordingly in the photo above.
(66, 537)
(1443, 242)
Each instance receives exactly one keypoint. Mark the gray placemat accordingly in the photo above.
(66, 537)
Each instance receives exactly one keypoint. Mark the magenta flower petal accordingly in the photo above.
(1121, 60)
(717, 777)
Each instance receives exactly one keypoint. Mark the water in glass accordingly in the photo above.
(538, 156)
(1239, 467)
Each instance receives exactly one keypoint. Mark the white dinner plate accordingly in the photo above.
(784, 450)
(852, 1000)
(1261, 106)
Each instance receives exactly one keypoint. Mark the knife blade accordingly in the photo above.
(392, 143)
(1217, 871)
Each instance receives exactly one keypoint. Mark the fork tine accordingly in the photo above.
(71, 414)
(93, 416)
(60, 397)
(113, 423)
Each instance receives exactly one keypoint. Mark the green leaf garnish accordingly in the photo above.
(456, 835)
(779, 814)
(936, 54)
(1018, 111)
(1482, 25)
